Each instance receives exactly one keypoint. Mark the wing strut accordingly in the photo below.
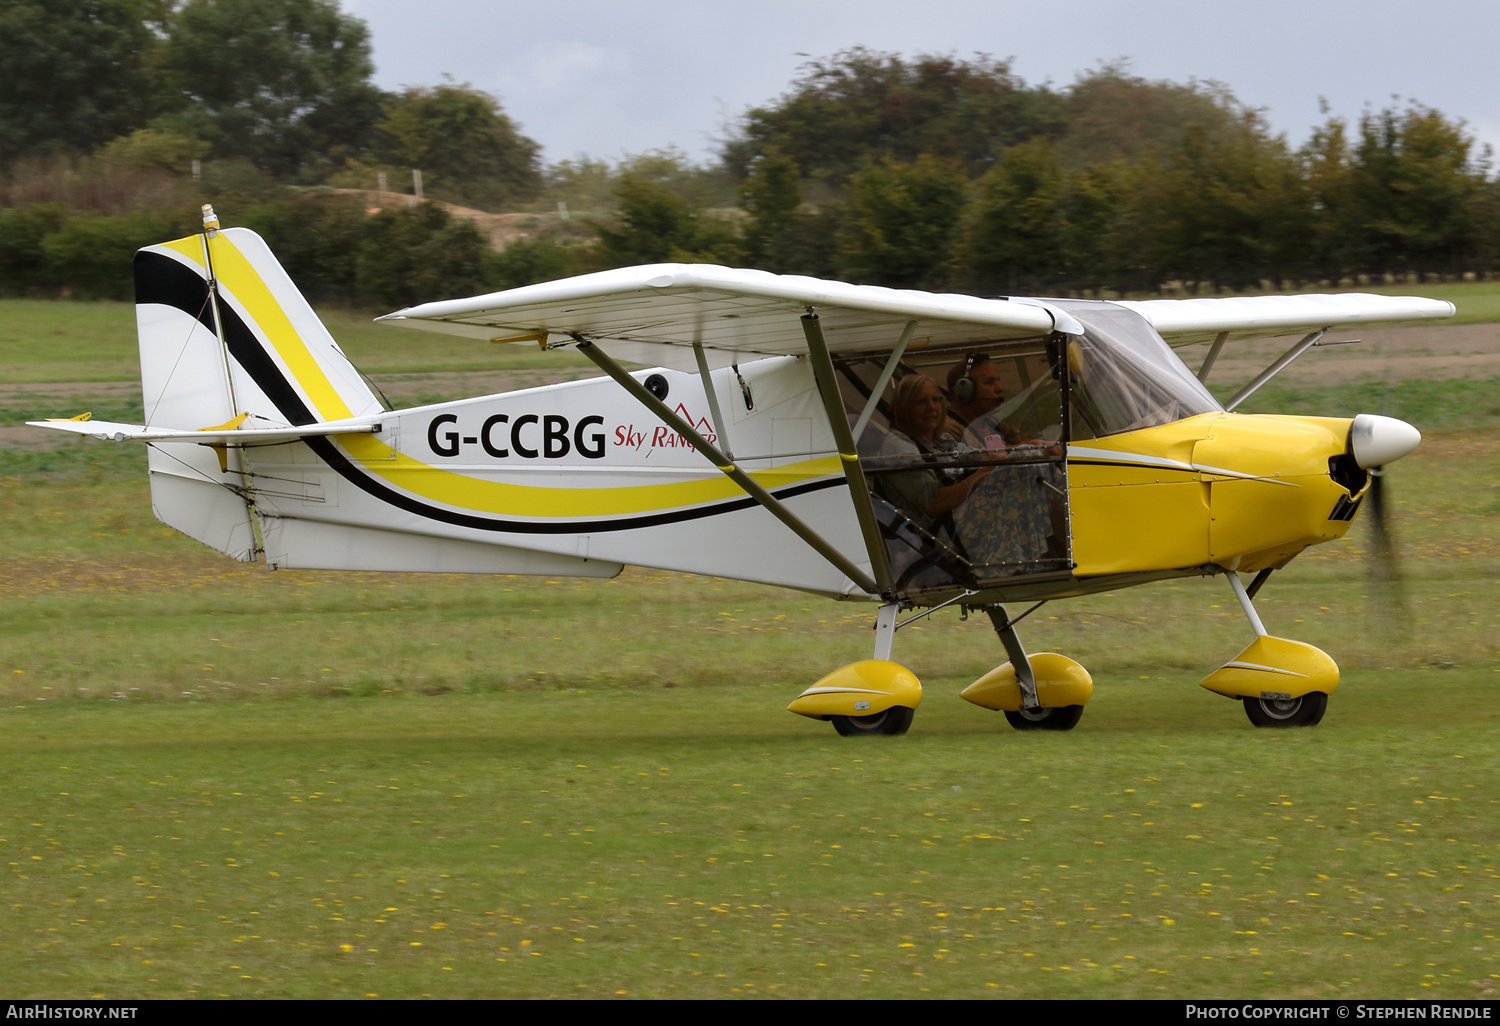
(720, 425)
(1270, 372)
(838, 420)
(735, 474)
(880, 382)
(1213, 354)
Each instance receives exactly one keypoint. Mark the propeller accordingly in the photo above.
(1386, 579)
(1374, 442)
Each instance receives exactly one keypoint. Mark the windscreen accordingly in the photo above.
(1123, 376)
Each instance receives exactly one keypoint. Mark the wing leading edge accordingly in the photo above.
(655, 313)
(648, 312)
(1185, 321)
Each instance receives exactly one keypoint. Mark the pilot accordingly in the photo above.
(974, 416)
(920, 416)
(974, 387)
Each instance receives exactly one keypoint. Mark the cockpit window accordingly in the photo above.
(964, 456)
(1123, 377)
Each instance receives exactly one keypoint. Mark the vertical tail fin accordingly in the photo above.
(277, 361)
(223, 332)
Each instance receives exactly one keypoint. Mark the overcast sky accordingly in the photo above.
(608, 78)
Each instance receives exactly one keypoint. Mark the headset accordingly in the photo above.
(964, 388)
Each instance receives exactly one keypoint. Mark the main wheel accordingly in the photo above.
(1306, 711)
(1063, 717)
(895, 720)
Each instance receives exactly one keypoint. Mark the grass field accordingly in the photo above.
(63, 340)
(223, 781)
(703, 843)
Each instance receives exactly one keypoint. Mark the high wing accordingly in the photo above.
(655, 313)
(1186, 321)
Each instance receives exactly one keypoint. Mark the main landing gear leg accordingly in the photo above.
(1017, 654)
(1281, 683)
(885, 629)
(1032, 715)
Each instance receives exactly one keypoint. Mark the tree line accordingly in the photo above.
(281, 86)
(118, 116)
(941, 173)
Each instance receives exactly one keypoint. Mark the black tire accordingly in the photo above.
(1063, 717)
(1306, 711)
(895, 720)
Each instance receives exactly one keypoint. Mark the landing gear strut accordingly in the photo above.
(1046, 691)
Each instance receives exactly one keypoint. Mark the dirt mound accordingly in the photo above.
(501, 229)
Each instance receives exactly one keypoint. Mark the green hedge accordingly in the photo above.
(330, 246)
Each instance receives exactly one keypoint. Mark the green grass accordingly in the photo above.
(222, 781)
(707, 844)
(1454, 404)
(68, 340)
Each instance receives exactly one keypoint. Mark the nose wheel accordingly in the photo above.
(1267, 675)
(1304, 711)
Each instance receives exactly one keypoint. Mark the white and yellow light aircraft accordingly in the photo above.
(790, 433)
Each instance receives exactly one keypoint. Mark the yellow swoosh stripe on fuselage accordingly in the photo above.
(503, 498)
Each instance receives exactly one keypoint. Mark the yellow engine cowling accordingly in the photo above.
(1275, 668)
(1060, 682)
(1292, 503)
(1242, 491)
(865, 688)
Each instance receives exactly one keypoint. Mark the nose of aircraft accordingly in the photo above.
(1376, 441)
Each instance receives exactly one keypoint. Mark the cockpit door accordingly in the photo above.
(975, 496)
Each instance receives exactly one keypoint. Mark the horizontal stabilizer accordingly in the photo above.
(113, 432)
